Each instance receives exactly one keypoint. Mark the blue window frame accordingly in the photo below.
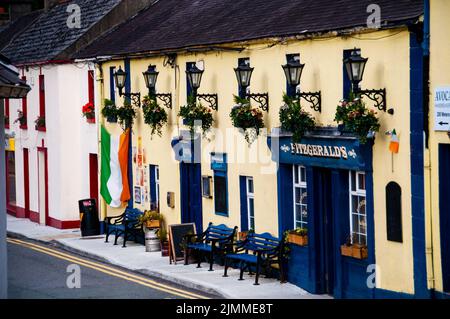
(219, 166)
(247, 195)
(154, 187)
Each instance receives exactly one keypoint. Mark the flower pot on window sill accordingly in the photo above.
(354, 251)
(296, 239)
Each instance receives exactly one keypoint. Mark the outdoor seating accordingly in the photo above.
(260, 250)
(126, 225)
(212, 242)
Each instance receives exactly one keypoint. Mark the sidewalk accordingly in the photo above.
(136, 259)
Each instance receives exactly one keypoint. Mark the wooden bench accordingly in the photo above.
(126, 225)
(260, 250)
(212, 241)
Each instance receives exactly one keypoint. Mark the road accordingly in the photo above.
(37, 271)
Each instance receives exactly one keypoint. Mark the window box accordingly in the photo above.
(356, 251)
(296, 239)
(153, 224)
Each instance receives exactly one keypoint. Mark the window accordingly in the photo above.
(394, 212)
(300, 197)
(358, 215)
(7, 119)
(24, 109)
(220, 168)
(10, 179)
(112, 85)
(42, 98)
(250, 202)
(206, 186)
(154, 187)
(91, 87)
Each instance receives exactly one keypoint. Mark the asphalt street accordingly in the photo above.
(37, 271)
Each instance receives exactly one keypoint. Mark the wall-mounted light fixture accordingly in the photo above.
(293, 71)
(120, 77)
(151, 77)
(194, 75)
(355, 66)
(244, 75)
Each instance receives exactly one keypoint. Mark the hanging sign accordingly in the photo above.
(442, 109)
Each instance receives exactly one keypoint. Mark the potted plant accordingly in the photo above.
(162, 235)
(126, 115)
(154, 115)
(88, 111)
(298, 237)
(248, 118)
(21, 119)
(355, 117)
(194, 113)
(354, 249)
(109, 111)
(40, 123)
(151, 219)
(294, 119)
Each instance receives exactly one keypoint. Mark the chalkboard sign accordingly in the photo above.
(176, 236)
(89, 222)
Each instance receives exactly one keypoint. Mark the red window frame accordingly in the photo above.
(24, 109)
(91, 90)
(42, 100)
(6, 102)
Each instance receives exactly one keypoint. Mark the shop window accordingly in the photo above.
(358, 214)
(394, 212)
(219, 166)
(154, 187)
(300, 197)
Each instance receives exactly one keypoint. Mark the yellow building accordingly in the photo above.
(330, 182)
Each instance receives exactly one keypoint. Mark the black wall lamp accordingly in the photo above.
(293, 71)
(194, 75)
(244, 75)
(151, 77)
(355, 66)
(120, 77)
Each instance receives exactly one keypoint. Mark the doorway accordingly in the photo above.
(43, 186)
(93, 178)
(191, 195)
(325, 231)
(26, 181)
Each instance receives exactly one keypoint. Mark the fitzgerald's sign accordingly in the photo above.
(338, 152)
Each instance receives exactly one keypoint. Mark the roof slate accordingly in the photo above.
(175, 24)
(49, 36)
(16, 27)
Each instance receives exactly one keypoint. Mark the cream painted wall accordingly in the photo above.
(439, 76)
(69, 139)
(388, 67)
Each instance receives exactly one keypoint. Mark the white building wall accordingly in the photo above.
(69, 139)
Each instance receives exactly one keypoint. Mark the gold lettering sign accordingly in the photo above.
(338, 152)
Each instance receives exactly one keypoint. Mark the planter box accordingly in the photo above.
(354, 251)
(347, 251)
(297, 239)
(153, 224)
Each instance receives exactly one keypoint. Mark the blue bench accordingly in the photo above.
(260, 250)
(126, 225)
(212, 241)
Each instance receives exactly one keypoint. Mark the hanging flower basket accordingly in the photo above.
(195, 114)
(88, 111)
(355, 117)
(294, 119)
(248, 118)
(154, 115)
(109, 111)
(126, 115)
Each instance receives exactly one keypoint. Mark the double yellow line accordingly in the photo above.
(143, 281)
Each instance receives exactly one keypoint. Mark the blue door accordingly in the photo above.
(444, 212)
(191, 195)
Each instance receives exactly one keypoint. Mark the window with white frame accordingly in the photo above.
(251, 203)
(300, 197)
(358, 214)
(157, 185)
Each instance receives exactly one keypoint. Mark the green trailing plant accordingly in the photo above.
(154, 115)
(40, 122)
(109, 111)
(126, 115)
(193, 113)
(21, 118)
(300, 231)
(150, 216)
(294, 119)
(357, 118)
(248, 118)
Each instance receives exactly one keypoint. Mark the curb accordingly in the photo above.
(146, 272)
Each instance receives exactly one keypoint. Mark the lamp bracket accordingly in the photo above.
(166, 98)
(313, 98)
(134, 97)
(211, 99)
(261, 98)
(377, 96)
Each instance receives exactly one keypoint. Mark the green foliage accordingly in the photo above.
(248, 118)
(162, 235)
(154, 115)
(194, 112)
(149, 216)
(126, 115)
(110, 109)
(357, 118)
(40, 122)
(294, 119)
(21, 119)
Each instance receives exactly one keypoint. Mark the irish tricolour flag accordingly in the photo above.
(114, 171)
